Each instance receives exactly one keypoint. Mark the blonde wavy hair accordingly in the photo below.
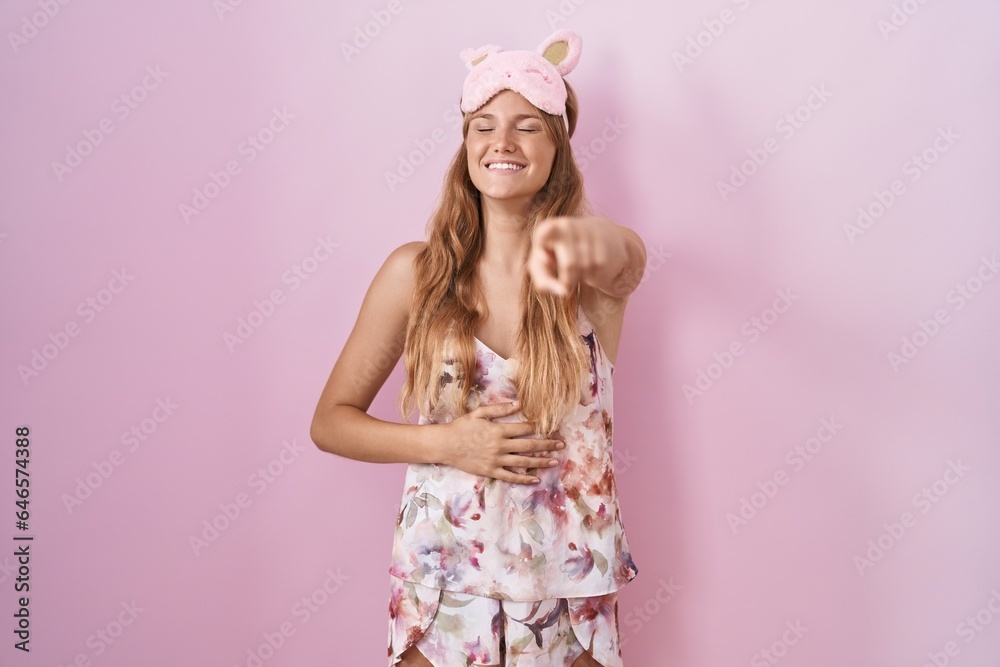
(551, 361)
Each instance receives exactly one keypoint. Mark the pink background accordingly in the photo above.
(706, 594)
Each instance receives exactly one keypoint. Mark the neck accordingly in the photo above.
(506, 242)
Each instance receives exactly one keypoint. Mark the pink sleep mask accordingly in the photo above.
(536, 75)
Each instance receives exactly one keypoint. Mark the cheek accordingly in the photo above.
(473, 151)
(549, 161)
(546, 155)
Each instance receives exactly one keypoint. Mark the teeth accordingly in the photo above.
(505, 165)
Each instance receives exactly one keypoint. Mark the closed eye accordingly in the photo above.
(522, 129)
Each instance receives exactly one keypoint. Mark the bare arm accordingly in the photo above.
(341, 424)
(569, 250)
(621, 274)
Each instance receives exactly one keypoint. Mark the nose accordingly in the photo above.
(504, 140)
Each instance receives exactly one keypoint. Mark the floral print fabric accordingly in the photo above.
(560, 538)
(454, 629)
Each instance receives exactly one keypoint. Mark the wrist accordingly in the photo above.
(432, 443)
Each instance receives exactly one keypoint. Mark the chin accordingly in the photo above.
(507, 196)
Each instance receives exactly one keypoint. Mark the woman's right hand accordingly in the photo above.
(479, 446)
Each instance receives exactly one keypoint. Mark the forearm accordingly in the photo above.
(620, 274)
(347, 431)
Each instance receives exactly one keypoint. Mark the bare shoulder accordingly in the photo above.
(391, 291)
(398, 267)
(408, 250)
(375, 344)
(390, 295)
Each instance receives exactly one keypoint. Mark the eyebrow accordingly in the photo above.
(520, 116)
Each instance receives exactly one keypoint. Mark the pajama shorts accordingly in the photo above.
(459, 630)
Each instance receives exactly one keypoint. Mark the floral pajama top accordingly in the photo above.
(562, 537)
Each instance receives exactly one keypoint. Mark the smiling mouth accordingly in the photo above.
(505, 166)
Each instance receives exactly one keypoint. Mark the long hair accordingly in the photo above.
(551, 361)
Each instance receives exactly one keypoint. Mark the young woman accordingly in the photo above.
(509, 547)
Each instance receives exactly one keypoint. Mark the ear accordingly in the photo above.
(473, 57)
(562, 48)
